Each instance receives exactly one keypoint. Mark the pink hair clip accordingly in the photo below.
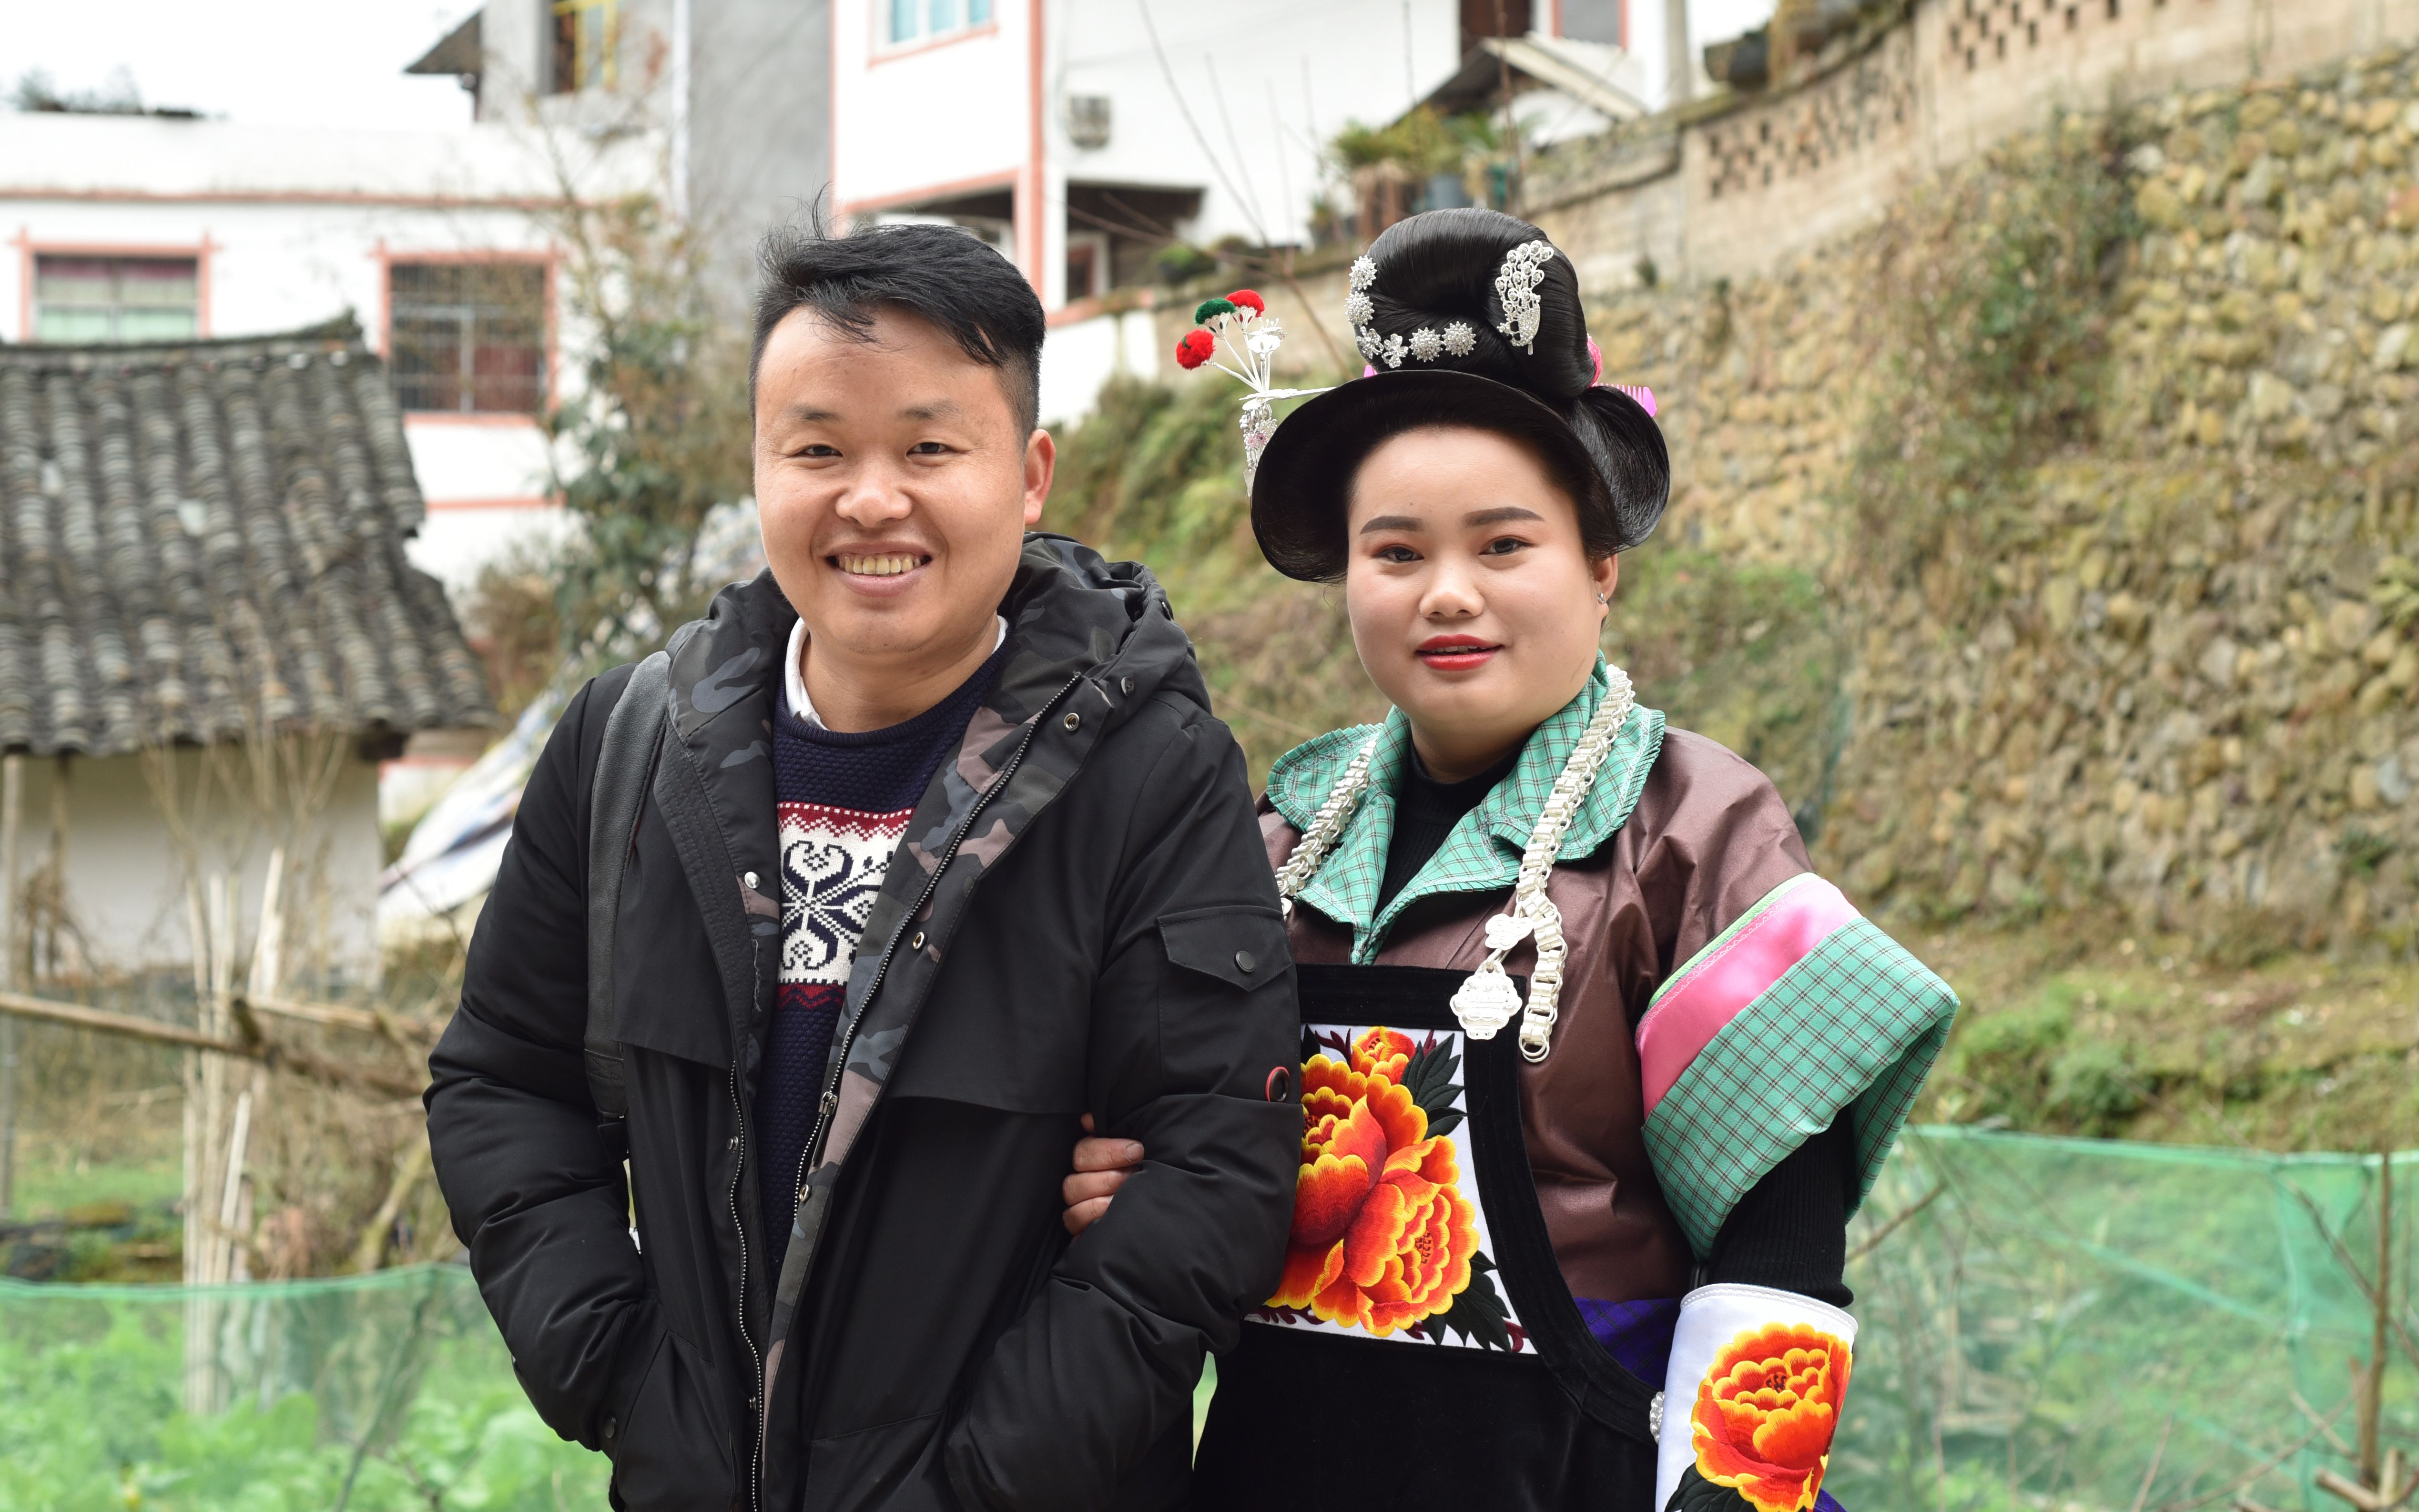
(1639, 392)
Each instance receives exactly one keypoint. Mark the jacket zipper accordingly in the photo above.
(755, 1356)
(831, 1089)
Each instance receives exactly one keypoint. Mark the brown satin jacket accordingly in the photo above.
(1709, 838)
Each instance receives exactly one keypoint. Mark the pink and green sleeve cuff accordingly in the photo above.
(1800, 1009)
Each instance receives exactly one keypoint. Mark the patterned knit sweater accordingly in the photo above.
(844, 800)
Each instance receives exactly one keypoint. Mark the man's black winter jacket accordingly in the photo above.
(1080, 917)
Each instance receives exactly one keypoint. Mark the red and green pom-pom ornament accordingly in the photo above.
(1209, 310)
(1245, 299)
(1195, 349)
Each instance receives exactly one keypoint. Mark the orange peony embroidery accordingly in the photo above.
(1765, 1414)
(1383, 1051)
(1381, 1234)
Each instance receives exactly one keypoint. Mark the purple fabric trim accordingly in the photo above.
(1823, 1501)
(1637, 1333)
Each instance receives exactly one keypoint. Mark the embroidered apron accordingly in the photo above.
(1423, 1350)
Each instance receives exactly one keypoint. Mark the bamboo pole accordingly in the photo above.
(12, 803)
(206, 1088)
(56, 910)
(2372, 1380)
(229, 1237)
(267, 947)
(267, 957)
(195, 1041)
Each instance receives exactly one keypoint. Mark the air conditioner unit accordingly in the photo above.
(1087, 120)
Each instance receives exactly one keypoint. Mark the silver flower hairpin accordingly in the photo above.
(1524, 268)
(1424, 345)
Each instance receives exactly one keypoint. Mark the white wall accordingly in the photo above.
(1265, 81)
(929, 115)
(126, 879)
(1081, 355)
(487, 485)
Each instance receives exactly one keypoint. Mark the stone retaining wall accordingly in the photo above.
(2192, 695)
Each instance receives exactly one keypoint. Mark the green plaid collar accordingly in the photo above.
(1482, 853)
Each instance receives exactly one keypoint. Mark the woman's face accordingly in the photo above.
(1474, 604)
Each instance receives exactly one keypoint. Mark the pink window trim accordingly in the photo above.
(1704, 1005)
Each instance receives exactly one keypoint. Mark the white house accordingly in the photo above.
(1082, 136)
(210, 632)
(735, 92)
(438, 242)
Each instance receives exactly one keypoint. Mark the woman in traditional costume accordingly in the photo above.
(1594, 1068)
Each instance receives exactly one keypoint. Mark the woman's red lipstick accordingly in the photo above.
(1455, 652)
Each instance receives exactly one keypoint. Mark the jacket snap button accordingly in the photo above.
(610, 1426)
(748, 878)
(1125, 686)
(1073, 721)
(1244, 964)
(917, 942)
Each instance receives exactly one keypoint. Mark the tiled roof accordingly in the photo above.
(205, 539)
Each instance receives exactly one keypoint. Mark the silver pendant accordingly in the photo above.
(1486, 1002)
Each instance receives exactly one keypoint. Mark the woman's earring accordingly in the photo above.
(1601, 599)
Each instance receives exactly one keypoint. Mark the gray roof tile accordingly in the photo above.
(199, 539)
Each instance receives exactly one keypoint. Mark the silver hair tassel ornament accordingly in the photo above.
(1240, 324)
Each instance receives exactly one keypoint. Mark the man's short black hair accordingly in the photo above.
(936, 272)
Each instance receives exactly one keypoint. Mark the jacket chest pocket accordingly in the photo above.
(1220, 965)
(1241, 946)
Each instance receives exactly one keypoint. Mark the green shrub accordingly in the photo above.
(1998, 1064)
(2093, 1089)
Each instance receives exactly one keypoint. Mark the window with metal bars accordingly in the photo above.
(468, 338)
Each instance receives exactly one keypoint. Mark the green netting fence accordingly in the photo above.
(2055, 1323)
(385, 1393)
(2049, 1324)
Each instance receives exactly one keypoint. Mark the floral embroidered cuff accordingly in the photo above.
(1750, 1401)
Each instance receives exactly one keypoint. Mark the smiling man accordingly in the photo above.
(839, 917)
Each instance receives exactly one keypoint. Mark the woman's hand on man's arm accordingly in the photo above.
(1101, 1166)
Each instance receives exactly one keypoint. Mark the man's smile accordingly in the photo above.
(888, 564)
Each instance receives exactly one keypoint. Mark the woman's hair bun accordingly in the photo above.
(1440, 268)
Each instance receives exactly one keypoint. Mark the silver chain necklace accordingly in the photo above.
(1486, 999)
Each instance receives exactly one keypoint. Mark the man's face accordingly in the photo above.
(896, 484)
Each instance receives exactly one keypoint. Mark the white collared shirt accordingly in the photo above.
(794, 679)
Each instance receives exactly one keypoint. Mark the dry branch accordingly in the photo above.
(1890, 1226)
(336, 1017)
(254, 1047)
(2352, 1491)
